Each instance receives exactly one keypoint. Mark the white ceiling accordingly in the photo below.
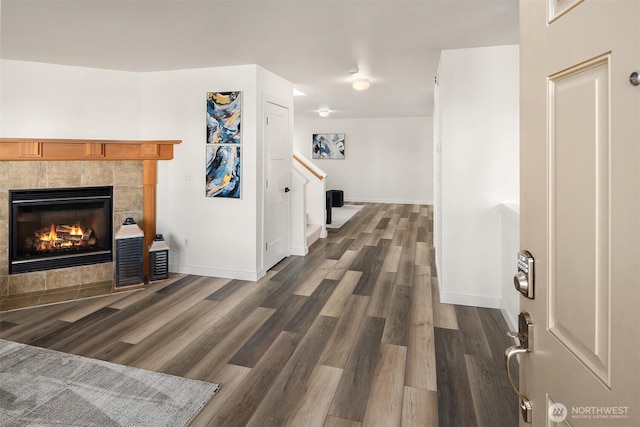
(313, 44)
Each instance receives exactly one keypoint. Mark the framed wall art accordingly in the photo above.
(328, 146)
(223, 171)
(224, 144)
(224, 117)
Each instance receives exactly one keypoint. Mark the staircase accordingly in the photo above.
(313, 233)
(307, 204)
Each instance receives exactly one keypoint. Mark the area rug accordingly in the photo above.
(41, 387)
(340, 216)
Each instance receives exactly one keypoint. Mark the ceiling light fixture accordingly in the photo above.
(324, 113)
(360, 84)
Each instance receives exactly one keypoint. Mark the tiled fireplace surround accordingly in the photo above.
(35, 288)
(128, 165)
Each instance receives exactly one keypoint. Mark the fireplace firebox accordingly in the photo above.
(59, 228)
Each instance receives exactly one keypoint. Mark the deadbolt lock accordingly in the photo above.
(524, 278)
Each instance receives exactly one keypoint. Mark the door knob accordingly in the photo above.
(634, 78)
(521, 282)
(287, 189)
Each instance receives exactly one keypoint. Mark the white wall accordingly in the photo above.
(386, 160)
(208, 236)
(478, 131)
(56, 101)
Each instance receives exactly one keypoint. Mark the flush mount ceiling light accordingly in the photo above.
(324, 113)
(360, 84)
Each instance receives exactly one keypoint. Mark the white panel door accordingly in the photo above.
(580, 210)
(277, 149)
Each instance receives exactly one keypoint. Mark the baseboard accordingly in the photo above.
(216, 272)
(472, 300)
(299, 250)
(399, 202)
(509, 318)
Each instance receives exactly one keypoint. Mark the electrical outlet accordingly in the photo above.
(186, 243)
(187, 176)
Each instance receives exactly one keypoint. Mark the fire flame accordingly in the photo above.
(76, 230)
(50, 241)
(52, 233)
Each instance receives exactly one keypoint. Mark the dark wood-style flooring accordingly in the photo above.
(353, 334)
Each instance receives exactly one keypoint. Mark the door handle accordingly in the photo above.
(287, 189)
(525, 337)
(525, 403)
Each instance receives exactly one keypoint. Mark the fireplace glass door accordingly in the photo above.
(59, 228)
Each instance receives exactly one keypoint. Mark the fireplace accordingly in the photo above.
(59, 228)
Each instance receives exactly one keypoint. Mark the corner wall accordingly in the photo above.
(477, 143)
(387, 160)
(208, 236)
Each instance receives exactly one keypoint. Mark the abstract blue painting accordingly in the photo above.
(328, 146)
(224, 117)
(223, 171)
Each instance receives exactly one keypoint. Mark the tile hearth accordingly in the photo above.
(52, 296)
